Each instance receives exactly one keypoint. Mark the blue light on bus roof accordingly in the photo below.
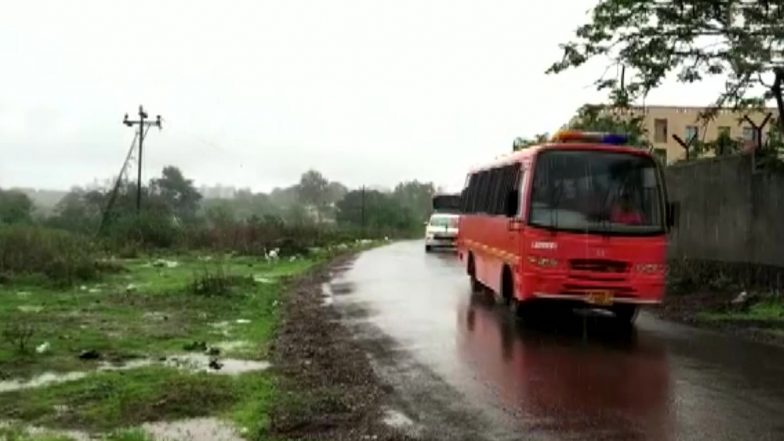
(597, 137)
(615, 138)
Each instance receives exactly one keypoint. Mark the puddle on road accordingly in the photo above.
(222, 328)
(205, 363)
(340, 288)
(191, 362)
(36, 432)
(235, 345)
(398, 420)
(196, 429)
(30, 308)
(261, 279)
(50, 378)
(328, 297)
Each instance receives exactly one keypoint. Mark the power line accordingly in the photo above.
(143, 125)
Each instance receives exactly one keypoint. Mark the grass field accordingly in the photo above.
(768, 313)
(114, 340)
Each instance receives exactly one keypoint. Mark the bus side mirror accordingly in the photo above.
(512, 202)
(673, 212)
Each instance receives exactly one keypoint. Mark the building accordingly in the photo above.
(662, 122)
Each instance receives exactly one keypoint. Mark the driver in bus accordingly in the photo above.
(624, 211)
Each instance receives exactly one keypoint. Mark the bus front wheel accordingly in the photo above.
(625, 314)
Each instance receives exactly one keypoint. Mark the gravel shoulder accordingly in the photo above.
(327, 387)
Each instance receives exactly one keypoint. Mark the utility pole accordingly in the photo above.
(143, 126)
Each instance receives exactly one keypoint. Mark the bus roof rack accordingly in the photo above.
(598, 137)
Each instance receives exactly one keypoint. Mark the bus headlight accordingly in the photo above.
(650, 268)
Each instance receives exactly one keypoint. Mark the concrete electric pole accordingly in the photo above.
(143, 127)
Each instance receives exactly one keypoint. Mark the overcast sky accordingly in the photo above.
(255, 92)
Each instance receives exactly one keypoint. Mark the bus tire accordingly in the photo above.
(625, 314)
(428, 248)
(471, 271)
(507, 295)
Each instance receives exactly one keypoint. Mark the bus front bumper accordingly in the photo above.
(596, 299)
(633, 290)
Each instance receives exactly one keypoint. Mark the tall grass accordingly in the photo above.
(62, 257)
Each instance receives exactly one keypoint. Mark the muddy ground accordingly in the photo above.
(328, 389)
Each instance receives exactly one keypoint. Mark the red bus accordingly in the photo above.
(579, 220)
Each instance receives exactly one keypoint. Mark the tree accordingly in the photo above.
(335, 192)
(220, 214)
(523, 143)
(609, 119)
(177, 193)
(80, 210)
(739, 40)
(15, 207)
(416, 197)
(312, 190)
(377, 210)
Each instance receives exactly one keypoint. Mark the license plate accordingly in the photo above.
(602, 298)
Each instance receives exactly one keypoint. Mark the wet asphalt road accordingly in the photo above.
(463, 368)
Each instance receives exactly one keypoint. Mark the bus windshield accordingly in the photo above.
(596, 192)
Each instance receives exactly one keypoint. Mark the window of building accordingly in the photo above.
(748, 134)
(660, 130)
(724, 131)
(691, 133)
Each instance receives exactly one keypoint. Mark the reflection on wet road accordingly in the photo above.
(464, 368)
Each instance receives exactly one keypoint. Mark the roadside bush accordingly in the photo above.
(149, 230)
(18, 334)
(63, 257)
(216, 282)
(691, 275)
(256, 237)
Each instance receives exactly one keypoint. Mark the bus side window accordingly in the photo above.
(480, 203)
(512, 190)
(469, 194)
(496, 196)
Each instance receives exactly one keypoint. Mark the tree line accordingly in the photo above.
(171, 201)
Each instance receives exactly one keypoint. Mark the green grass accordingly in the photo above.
(158, 315)
(768, 311)
(147, 311)
(112, 400)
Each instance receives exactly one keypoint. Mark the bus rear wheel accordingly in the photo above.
(471, 271)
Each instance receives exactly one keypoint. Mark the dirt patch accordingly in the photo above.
(686, 308)
(328, 389)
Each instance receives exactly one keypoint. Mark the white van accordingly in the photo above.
(441, 231)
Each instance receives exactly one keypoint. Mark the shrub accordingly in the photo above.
(150, 229)
(258, 236)
(216, 283)
(18, 333)
(63, 257)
